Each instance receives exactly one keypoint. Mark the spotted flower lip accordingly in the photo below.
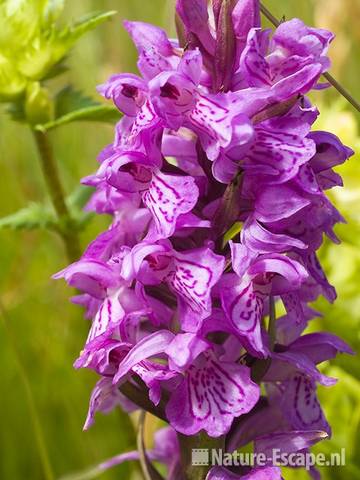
(215, 183)
(210, 396)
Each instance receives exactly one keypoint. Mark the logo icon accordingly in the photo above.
(200, 456)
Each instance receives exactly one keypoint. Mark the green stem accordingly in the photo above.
(57, 195)
(148, 470)
(200, 441)
(34, 415)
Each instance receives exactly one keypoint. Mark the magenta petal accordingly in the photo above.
(167, 198)
(107, 318)
(134, 261)
(244, 307)
(288, 442)
(173, 97)
(221, 473)
(291, 274)
(278, 202)
(287, 363)
(253, 65)
(147, 347)
(300, 405)
(241, 258)
(91, 276)
(277, 155)
(104, 398)
(245, 16)
(304, 41)
(320, 347)
(193, 275)
(261, 240)
(329, 151)
(212, 119)
(299, 82)
(127, 91)
(261, 473)
(184, 349)
(191, 65)
(194, 15)
(146, 36)
(211, 395)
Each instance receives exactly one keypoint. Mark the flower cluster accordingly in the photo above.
(215, 183)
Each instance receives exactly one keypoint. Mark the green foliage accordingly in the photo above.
(32, 45)
(29, 218)
(72, 105)
(49, 331)
(39, 216)
(69, 100)
(95, 113)
(76, 203)
(232, 232)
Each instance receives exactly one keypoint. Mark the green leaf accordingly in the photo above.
(86, 24)
(79, 198)
(231, 233)
(68, 100)
(76, 203)
(97, 113)
(31, 217)
(65, 39)
(52, 11)
(40, 216)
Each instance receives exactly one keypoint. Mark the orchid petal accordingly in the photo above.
(211, 395)
(149, 346)
(244, 307)
(193, 276)
(259, 239)
(168, 197)
(288, 442)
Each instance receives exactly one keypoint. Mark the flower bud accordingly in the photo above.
(225, 46)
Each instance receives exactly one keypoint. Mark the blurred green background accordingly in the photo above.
(48, 331)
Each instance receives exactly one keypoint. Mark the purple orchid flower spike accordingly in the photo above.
(215, 183)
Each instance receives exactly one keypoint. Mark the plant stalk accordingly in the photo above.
(148, 470)
(200, 441)
(52, 178)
